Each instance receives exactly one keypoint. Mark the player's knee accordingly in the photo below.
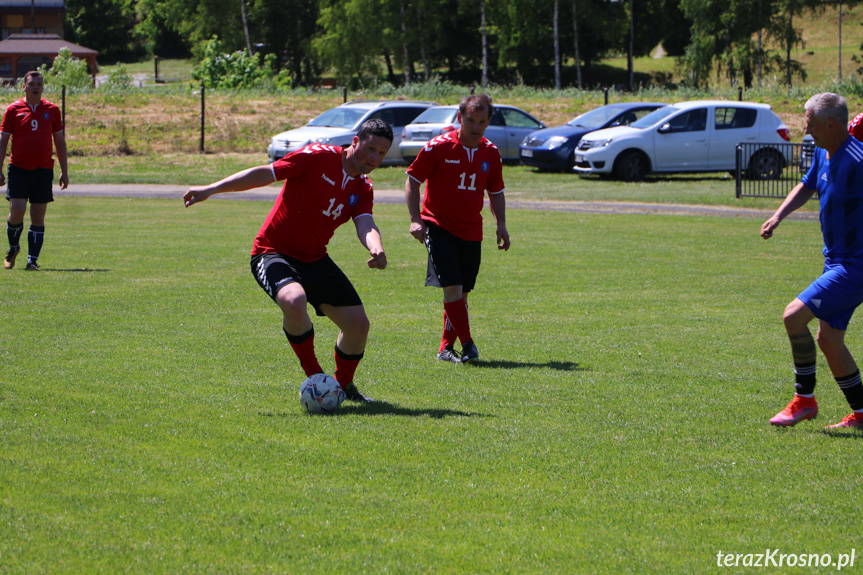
(292, 303)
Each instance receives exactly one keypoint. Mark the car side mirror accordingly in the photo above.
(614, 124)
(664, 128)
(542, 125)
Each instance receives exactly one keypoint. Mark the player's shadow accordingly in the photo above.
(75, 270)
(384, 408)
(843, 434)
(507, 364)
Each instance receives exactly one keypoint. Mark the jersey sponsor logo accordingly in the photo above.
(353, 199)
(484, 167)
(452, 161)
(327, 180)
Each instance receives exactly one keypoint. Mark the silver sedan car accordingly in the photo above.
(508, 127)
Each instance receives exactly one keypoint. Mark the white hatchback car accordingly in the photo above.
(696, 136)
(339, 125)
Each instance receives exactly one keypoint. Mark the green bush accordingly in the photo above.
(237, 70)
(67, 71)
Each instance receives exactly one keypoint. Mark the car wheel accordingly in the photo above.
(631, 167)
(765, 165)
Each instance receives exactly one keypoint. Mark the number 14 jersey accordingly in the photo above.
(457, 180)
(318, 197)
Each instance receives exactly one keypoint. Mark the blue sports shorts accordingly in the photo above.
(835, 295)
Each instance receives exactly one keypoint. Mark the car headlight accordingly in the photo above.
(555, 142)
(590, 144)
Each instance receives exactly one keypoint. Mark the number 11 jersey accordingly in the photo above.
(457, 180)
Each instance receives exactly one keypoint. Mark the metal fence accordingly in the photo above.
(770, 170)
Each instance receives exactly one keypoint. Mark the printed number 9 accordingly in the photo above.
(35, 124)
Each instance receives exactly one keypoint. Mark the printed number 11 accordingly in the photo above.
(472, 182)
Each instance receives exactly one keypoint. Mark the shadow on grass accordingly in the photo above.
(848, 433)
(384, 408)
(506, 364)
(74, 270)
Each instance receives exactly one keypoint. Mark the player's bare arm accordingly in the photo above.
(412, 198)
(239, 182)
(60, 147)
(497, 204)
(4, 145)
(370, 237)
(798, 196)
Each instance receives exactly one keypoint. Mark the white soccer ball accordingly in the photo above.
(321, 393)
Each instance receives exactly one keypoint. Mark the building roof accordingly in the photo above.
(61, 4)
(38, 44)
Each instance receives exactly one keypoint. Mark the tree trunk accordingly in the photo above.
(484, 47)
(840, 41)
(246, 26)
(629, 66)
(575, 36)
(760, 58)
(556, 47)
(406, 55)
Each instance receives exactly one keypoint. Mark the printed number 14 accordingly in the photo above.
(329, 211)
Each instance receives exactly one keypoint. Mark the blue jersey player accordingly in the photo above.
(837, 175)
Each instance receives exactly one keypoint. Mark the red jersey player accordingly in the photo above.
(325, 186)
(32, 123)
(459, 167)
(855, 128)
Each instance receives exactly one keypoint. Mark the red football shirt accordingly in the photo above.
(32, 130)
(318, 197)
(457, 180)
(856, 127)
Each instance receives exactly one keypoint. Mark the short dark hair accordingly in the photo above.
(375, 127)
(31, 73)
(476, 102)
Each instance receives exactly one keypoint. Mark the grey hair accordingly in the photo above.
(827, 105)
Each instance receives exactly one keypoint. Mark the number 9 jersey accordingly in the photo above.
(457, 180)
(32, 130)
(318, 197)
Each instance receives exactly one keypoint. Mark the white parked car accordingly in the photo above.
(697, 136)
(339, 125)
(506, 129)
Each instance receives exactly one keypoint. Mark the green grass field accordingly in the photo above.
(617, 422)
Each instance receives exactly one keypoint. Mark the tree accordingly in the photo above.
(105, 25)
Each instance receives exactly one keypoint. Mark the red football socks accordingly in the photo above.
(456, 312)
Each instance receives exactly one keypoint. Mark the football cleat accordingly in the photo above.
(353, 394)
(449, 354)
(9, 261)
(32, 266)
(799, 409)
(854, 420)
(469, 352)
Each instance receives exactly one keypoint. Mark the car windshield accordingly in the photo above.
(654, 117)
(339, 118)
(436, 116)
(597, 118)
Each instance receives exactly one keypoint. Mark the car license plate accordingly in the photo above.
(422, 136)
(527, 153)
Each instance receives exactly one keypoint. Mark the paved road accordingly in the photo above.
(397, 197)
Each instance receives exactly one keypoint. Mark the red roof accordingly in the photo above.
(41, 44)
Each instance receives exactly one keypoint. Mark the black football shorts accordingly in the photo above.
(322, 280)
(34, 185)
(452, 260)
